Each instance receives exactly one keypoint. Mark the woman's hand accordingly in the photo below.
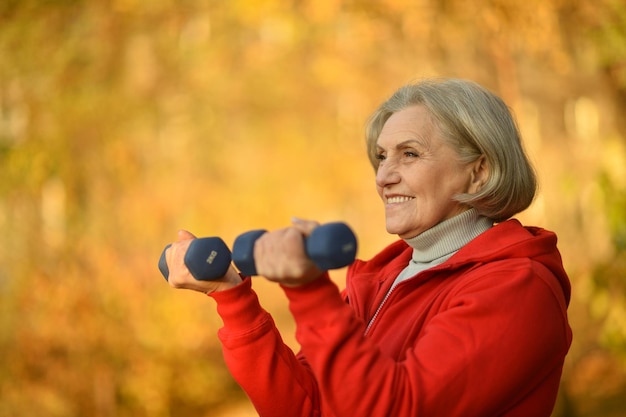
(280, 256)
(180, 277)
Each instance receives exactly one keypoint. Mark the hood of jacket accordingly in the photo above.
(506, 240)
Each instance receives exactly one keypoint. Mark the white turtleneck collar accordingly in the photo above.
(437, 244)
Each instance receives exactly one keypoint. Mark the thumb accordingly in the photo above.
(184, 235)
(304, 226)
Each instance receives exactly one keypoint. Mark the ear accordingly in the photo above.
(479, 175)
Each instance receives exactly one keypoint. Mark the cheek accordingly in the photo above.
(450, 181)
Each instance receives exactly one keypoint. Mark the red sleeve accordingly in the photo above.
(491, 343)
(276, 382)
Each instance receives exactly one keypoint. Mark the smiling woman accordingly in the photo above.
(477, 124)
(419, 174)
(456, 308)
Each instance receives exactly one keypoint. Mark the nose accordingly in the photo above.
(387, 174)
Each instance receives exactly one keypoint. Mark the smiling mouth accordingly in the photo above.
(398, 199)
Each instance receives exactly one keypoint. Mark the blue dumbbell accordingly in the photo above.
(329, 246)
(207, 258)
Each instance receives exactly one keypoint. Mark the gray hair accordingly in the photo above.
(475, 122)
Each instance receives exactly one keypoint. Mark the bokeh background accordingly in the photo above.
(122, 121)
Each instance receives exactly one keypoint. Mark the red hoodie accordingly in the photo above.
(482, 334)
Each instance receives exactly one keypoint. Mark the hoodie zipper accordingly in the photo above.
(380, 306)
(392, 289)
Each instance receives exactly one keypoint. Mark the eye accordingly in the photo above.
(411, 154)
(380, 156)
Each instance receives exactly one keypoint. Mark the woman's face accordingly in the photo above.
(419, 174)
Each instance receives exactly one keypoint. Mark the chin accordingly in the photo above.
(401, 233)
(404, 233)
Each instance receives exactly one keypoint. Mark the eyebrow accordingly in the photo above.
(406, 143)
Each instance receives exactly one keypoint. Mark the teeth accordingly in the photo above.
(402, 199)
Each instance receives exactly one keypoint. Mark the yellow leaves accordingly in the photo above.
(322, 10)
(141, 67)
(614, 161)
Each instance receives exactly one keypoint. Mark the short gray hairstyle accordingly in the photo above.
(475, 122)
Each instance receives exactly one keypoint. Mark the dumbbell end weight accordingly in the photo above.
(163, 264)
(332, 246)
(243, 252)
(207, 258)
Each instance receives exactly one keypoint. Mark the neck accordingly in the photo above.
(447, 237)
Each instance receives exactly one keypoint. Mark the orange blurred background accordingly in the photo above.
(122, 121)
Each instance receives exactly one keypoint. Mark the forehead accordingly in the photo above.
(411, 123)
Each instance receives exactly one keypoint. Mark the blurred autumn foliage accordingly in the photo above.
(122, 121)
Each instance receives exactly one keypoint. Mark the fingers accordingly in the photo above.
(304, 226)
(175, 258)
(175, 255)
(280, 255)
(184, 235)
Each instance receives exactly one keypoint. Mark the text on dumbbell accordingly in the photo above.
(211, 257)
(348, 247)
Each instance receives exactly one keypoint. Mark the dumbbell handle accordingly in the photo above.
(207, 258)
(329, 246)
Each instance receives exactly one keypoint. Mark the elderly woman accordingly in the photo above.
(465, 315)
